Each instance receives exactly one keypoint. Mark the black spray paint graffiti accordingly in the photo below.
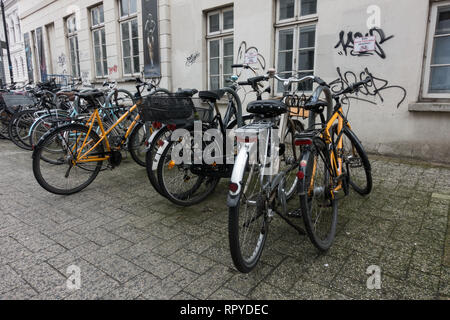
(192, 59)
(244, 50)
(374, 88)
(349, 43)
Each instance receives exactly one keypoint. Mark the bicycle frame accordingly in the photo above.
(95, 117)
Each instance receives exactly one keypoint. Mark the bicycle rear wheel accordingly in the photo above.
(317, 200)
(247, 225)
(57, 171)
(4, 123)
(176, 180)
(154, 152)
(19, 128)
(137, 143)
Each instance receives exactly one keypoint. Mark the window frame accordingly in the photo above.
(221, 59)
(297, 13)
(130, 39)
(296, 49)
(430, 46)
(221, 31)
(73, 34)
(98, 28)
(127, 16)
(221, 36)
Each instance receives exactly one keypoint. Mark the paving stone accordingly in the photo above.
(209, 282)
(119, 268)
(191, 261)
(43, 277)
(156, 265)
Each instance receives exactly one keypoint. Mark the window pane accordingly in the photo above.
(135, 47)
(214, 48)
(127, 65)
(443, 24)
(101, 17)
(286, 40)
(96, 38)
(287, 9)
(228, 47)
(308, 7)
(440, 80)
(126, 49)
(214, 23)
(124, 8)
(94, 17)
(133, 6)
(306, 60)
(125, 31)
(305, 86)
(307, 37)
(214, 83)
(214, 66)
(228, 20)
(441, 54)
(285, 61)
(227, 62)
(105, 68)
(136, 64)
(134, 29)
(103, 36)
(98, 54)
(98, 69)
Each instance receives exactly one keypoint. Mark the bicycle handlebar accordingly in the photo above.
(354, 87)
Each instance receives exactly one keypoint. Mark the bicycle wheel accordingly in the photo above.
(19, 128)
(247, 225)
(137, 143)
(177, 182)
(317, 202)
(4, 123)
(153, 156)
(57, 172)
(356, 162)
(44, 124)
(290, 158)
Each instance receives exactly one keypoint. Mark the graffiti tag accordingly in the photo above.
(374, 88)
(192, 59)
(347, 42)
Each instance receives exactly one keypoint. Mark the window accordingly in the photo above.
(296, 40)
(291, 9)
(220, 44)
(99, 42)
(72, 37)
(437, 71)
(130, 37)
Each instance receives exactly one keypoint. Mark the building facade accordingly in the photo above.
(16, 45)
(406, 113)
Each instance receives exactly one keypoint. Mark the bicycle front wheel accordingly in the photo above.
(318, 203)
(58, 170)
(247, 225)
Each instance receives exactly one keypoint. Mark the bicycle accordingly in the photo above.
(81, 150)
(333, 160)
(258, 183)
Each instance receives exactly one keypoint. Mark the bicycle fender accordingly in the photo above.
(302, 187)
(158, 155)
(237, 176)
(152, 137)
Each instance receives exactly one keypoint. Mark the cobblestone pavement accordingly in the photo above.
(132, 244)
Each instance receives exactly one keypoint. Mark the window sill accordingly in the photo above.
(429, 107)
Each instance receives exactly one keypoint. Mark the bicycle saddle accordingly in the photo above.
(89, 95)
(212, 96)
(316, 106)
(186, 92)
(267, 107)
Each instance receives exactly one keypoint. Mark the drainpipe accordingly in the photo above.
(7, 43)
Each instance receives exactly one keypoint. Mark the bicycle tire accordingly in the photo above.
(21, 122)
(37, 170)
(241, 263)
(315, 160)
(365, 188)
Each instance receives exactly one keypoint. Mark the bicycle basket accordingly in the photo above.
(174, 110)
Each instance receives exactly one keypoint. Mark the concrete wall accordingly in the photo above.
(382, 128)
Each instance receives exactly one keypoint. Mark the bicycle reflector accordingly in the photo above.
(234, 187)
(301, 175)
(157, 125)
(303, 142)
